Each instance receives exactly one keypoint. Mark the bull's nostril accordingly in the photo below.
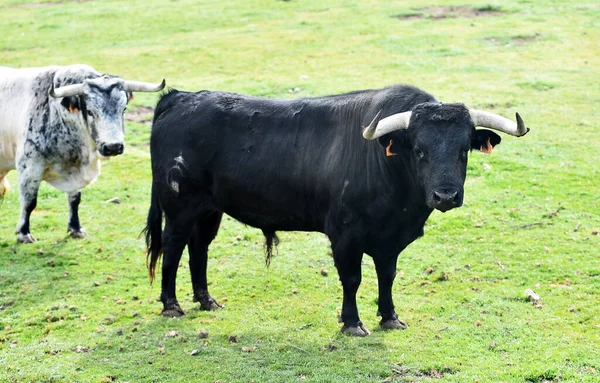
(443, 196)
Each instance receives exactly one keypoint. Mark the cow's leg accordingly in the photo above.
(4, 185)
(74, 228)
(30, 177)
(204, 232)
(386, 272)
(347, 256)
(175, 237)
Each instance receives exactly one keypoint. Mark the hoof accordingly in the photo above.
(78, 234)
(207, 303)
(27, 238)
(393, 324)
(211, 306)
(175, 311)
(359, 330)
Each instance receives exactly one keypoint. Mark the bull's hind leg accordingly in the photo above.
(205, 230)
(4, 185)
(175, 237)
(74, 228)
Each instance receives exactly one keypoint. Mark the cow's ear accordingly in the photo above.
(71, 104)
(393, 143)
(484, 140)
(129, 96)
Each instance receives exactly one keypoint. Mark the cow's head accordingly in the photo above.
(102, 102)
(437, 138)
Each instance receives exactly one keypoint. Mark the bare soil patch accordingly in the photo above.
(48, 4)
(140, 115)
(410, 373)
(440, 13)
(517, 40)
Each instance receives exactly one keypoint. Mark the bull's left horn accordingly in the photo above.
(66, 91)
(138, 86)
(389, 124)
(496, 122)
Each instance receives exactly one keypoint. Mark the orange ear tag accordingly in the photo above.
(487, 147)
(73, 110)
(388, 150)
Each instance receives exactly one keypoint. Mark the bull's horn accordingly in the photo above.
(138, 86)
(389, 124)
(66, 91)
(496, 122)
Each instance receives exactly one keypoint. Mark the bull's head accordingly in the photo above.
(437, 138)
(102, 102)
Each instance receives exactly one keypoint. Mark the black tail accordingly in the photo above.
(270, 240)
(153, 232)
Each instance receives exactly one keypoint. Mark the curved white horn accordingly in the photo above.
(66, 91)
(496, 122)
(389, 124)
(139, 86)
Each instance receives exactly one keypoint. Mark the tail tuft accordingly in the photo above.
(153, 234)
(270, 240)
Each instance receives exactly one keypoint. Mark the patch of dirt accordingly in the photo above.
(517, 40)
(414, 373)
(140, 115)
(440, 13)
(47, 4)
(525, 39)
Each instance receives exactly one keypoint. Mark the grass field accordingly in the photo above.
(84, 310)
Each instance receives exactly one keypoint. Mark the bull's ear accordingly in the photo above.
(71, 103)
(393, 142)
(484, 140)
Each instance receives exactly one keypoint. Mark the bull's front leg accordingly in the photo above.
(30, 177)
(386, 273)
(74, 228)
(348, 258)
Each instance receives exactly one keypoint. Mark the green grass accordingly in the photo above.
(85, 311)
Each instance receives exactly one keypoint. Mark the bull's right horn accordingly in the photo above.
(66, 91)
(389, 124)
(138, 86)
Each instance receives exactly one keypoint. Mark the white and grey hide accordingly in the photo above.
(56, 124)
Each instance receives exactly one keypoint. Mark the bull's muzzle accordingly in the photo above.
(446, 199)
(112, 149)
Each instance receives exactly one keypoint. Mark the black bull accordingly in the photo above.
(304, 165)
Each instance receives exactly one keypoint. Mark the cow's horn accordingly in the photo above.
(389, 124)
(138, 86)
(496, 122)
(66, 91)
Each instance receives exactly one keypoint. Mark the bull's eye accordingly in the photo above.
(419, 153)
(89, 113)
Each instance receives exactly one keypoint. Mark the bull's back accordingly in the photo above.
(257, 160)
(16, 96)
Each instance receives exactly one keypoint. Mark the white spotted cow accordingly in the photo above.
(56, 124)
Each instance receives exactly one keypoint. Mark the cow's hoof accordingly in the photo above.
(211, 305)
(359, 330)
(174, 311)
(78, 234)
(393, 324)
(25, 238)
